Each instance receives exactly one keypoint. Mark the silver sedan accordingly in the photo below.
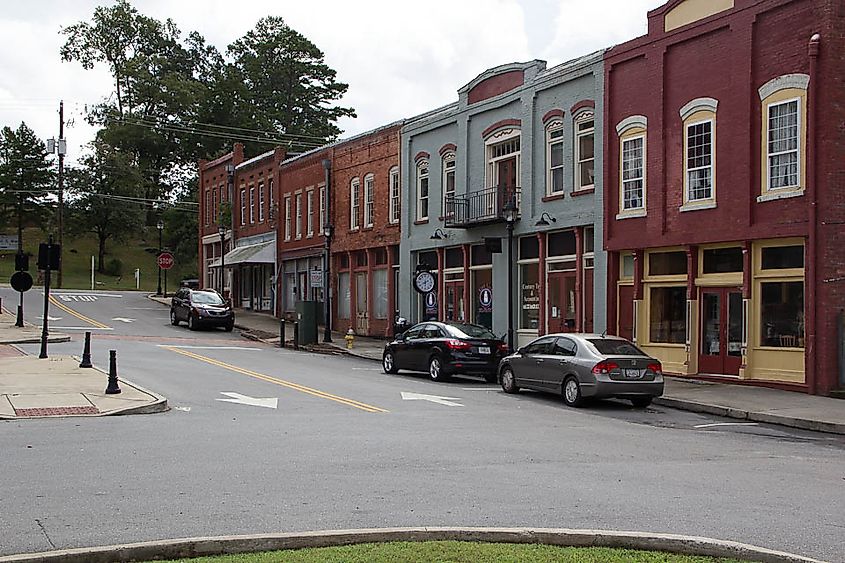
(582, 366)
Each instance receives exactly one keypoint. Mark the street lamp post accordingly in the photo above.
(510, 212)
(230, 198)
(160, 227)
(327, 258)
(222, 230)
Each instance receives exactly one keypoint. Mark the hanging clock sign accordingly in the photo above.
(424, 281)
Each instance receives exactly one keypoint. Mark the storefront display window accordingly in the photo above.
(530, 296)
(343, 296)
(782, 314)
(667, 263)
(722, 260)
(380, 294)
(783, 257)
(668, 322)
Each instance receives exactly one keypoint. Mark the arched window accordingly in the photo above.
(784, 136)
(422, 190)
(354, 203)
(554, 157)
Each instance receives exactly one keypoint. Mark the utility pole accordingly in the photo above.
(62, 149)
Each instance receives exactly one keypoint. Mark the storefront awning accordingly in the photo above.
(264, 253)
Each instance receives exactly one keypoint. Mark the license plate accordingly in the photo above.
(632, 373)
(483, 349)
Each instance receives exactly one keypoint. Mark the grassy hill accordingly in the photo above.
(137, 252)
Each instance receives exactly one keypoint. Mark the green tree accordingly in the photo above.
(106, 197)
(180, 227)
(26, 177)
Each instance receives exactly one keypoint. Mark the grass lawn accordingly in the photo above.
(457, 552)
(76, 257)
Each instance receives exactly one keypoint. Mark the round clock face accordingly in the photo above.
(424, 282)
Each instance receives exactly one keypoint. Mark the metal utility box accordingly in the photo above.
(308, 315)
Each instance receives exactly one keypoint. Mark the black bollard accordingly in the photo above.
(19, 320)
(296, 335)
(86, 352)
(112, 388)
(282, 333)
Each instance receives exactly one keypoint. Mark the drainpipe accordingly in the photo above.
(810, 359)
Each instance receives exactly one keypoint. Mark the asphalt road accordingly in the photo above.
(342, 449)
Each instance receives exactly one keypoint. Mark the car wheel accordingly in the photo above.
(192, 322)
(435, 369)
(388, 363)
(572, 392)
(640, 402)
(229, 327)
(173, 319)
(509, 381)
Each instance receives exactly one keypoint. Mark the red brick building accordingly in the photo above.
(725, 189)
(365, 216)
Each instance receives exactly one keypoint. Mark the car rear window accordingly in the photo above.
(469, 331)
(206, 298)
(615, 347)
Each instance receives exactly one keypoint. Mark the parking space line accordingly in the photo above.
(290, 385)
(77, 314)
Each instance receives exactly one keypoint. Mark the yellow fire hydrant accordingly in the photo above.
(350, 338)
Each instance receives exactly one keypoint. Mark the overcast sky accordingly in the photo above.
(399, 58)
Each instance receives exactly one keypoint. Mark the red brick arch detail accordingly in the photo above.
(448, 147)
(421, 155)
(581, 105)
(500, 124)
(552, 114)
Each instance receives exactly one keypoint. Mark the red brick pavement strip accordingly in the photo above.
(7, 351)
(57, 411)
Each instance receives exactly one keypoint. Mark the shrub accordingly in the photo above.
(114, 267)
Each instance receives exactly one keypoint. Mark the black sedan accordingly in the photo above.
(201, 308)
(445, 349)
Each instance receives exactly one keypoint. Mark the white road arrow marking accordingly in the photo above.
(270, 402)
(123, 320)
(49, 318)
(448, 401)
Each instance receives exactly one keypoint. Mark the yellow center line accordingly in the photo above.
(281, 382)
(76, 314)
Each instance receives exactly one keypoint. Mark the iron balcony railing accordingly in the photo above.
(480, 207)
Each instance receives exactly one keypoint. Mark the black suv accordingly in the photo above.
(201, 307)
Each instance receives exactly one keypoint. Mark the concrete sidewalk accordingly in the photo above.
(28, 334)
(743, 402)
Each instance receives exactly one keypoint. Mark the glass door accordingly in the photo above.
(455, 302)
(561, 302)
(361, 303)
(720, 350)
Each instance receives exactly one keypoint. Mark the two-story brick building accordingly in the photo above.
(723, 193)
(516, 154)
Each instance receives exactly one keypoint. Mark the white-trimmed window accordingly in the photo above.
(369, 202)
(699, 161)
(504, 145)
(299, 216)
(395, 195)
(633, 173)
(243, 206)
(585, 151)
(422, 190)
(554, 157)
(251, 205)
(448, 209)
(783, 144)
(322, 225)
(207, 207)
(287, 218)
(271, 199)
(354, 203)
(261, 202)
(309, 221)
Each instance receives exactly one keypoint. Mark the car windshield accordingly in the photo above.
(206, 298)
(469, 331)
(615, 347)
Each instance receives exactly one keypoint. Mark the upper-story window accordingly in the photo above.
(632, 170)
(699, 157)
(395, 195)
(251, 204)
(422, 190)
(299, 216)
(287, 218)
(503, 158)
(215, 218)
(243, 206)
(322, 225)
(354, 203)
(261, 202)
(585, 151)
(448, 184)
(554, 157)
(784, 136)
(369, 201)
(309, 217)
(207, 207)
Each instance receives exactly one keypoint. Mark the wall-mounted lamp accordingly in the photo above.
(544, 220)
(439, 234)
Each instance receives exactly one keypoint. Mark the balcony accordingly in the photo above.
(482, 207)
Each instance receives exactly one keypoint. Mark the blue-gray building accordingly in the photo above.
(520, 151)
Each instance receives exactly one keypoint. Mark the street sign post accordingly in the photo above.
(165, 262)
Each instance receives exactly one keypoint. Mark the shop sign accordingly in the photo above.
(431, 303)
(530, 296)
(316, 278)
(485, 300)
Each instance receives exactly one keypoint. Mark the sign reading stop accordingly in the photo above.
(165, 260)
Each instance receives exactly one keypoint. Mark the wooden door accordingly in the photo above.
(720, 335)
(561, 313)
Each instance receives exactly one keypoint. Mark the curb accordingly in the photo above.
(37, 340)
(741, 414)
(224, 545)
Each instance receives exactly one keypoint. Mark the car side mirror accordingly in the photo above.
(400, 337)
(519, 351)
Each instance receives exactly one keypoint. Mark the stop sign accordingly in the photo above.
(165, 260)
